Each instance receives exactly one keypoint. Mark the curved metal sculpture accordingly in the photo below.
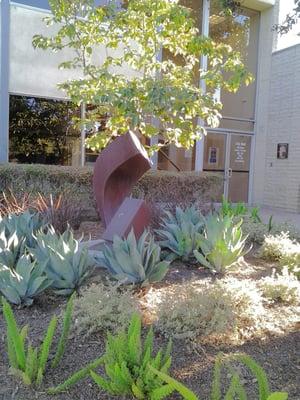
(118, 167)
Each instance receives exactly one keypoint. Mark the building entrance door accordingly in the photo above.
(229, 154)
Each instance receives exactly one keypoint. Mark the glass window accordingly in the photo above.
(41, 131)
(240, 31)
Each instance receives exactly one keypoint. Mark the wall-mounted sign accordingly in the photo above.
(240, 150)
(213, 155)
(282, 151)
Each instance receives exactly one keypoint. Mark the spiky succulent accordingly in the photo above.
(68, 263)
(23, 283)
(11, 248)
(132, 261)
(181, 233)
(222, 243)
(24, 225)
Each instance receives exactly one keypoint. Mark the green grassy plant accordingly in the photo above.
(26, 361)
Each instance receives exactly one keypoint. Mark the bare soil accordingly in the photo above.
(279, 354)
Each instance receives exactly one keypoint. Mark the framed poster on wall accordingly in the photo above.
(282, 151)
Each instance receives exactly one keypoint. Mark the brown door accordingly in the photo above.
(239, 167)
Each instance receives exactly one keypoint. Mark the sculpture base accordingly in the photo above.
(132, 214)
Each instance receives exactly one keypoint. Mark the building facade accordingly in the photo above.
(243, 148)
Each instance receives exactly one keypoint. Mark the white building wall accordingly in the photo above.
(282, 177)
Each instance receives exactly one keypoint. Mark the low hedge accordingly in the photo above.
(155, 186)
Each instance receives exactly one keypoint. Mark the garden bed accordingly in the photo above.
(276, 347)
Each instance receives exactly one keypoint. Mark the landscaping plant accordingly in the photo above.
(222, 243)
(181, 233)
(26, 361)
(24, 225)
(23, 283)
(68, 262)
(127, 359)
(104, 307)
(134, 261)
(236, 389)
(11, 248)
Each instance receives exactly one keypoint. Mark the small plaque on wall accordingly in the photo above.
(282, 151)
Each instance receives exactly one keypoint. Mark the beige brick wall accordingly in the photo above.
(282, 177)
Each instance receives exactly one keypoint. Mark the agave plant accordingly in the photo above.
(11, 248)
(67, 263)
(181, 233)
(222, 243)
(23, 283)
(24, 225)
(132, 261)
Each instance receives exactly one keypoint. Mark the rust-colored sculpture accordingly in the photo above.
(117, 169)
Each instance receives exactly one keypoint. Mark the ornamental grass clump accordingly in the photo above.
(68, 263)
(103, 307)
(23, 283)
(132, 261)
(222, 244)
(181, 233)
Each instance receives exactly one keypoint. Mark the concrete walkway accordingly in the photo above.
(280, 215)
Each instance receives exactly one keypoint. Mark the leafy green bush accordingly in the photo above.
(67, 263)
(222, 243)
(181, 233)
(103, 308)
(23, 283)
(25, 361)
(283, 288)
(190, 310)
(238, 210)
(236, 388)
(127, 361)
(132, 261)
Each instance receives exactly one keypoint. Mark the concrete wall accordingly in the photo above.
(266, 44)
(282, 177)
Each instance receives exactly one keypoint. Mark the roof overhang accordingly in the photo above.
(259, 5)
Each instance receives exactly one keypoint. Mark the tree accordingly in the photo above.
(40, 130)
(290, 20)
(165, 90)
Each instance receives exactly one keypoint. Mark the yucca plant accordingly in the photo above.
(181, 233)
(23, 283)
(127, 360)
(132, 261)
(236, 389)
(222, 243)
(26, 361)
(68, 263)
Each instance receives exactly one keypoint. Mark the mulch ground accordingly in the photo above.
(192, 361)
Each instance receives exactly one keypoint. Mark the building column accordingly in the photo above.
(204, 28)
(4, 80)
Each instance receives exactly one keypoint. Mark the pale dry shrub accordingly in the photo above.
(281, 288)
(191, 309)
(291, 260)
(274, 247)
(103, 307)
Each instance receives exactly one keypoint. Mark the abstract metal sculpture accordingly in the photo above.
(118, 167)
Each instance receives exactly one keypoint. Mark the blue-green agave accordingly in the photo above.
(181, 233)
(132, 261)
(23, 283)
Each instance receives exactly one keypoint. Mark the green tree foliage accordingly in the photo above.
(159, 96)
(40, 130)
